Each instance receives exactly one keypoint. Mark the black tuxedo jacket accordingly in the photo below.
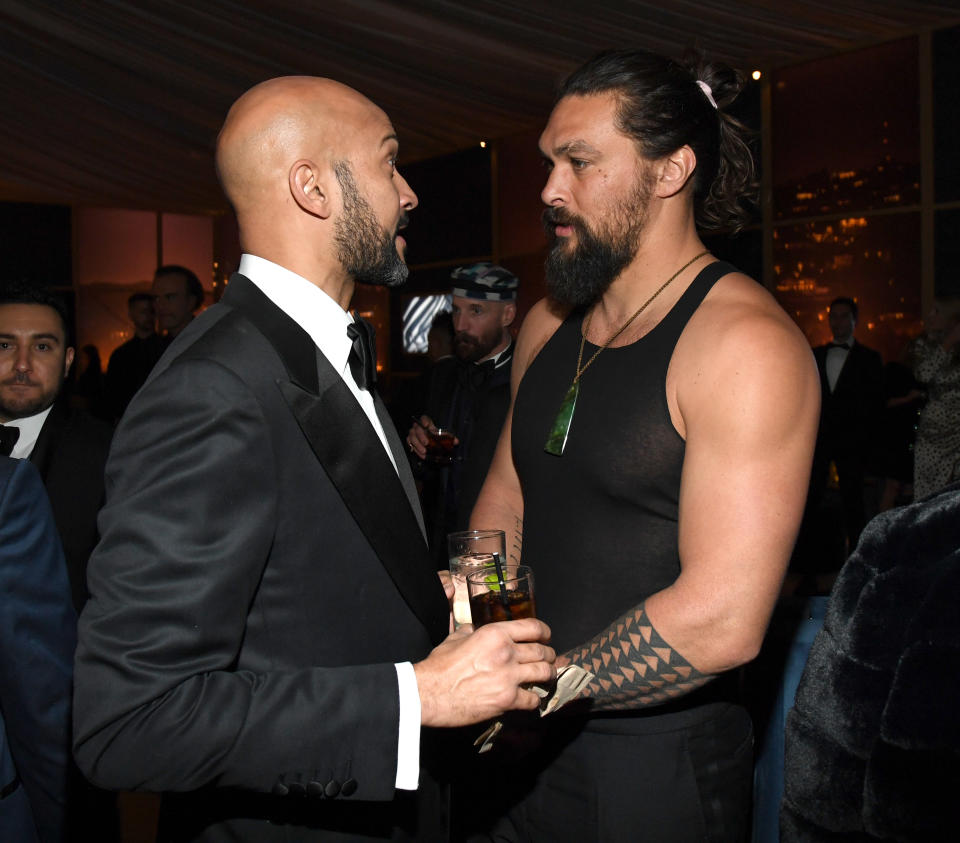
(850, 415)
(70, 454)
(261, 569)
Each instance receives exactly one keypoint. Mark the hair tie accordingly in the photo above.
(707, 92)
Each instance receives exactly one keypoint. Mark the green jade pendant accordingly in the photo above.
(557, 440)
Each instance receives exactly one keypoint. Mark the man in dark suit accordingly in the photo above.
(132, 362)
(468, 394)
(262, 585)
(68, 446)
(851, 380)
(37, 639)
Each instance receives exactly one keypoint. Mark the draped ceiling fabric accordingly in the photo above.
(118, 103)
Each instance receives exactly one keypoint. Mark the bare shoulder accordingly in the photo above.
(741, 349)
(538, 326)
(740, 319)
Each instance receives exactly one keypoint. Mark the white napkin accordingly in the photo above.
(571, 679)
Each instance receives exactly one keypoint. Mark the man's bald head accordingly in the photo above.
(310, 168)
(280, 121)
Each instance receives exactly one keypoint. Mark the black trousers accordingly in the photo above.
(678, 777)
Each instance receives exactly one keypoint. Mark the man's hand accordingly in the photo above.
(419, 435)
(475, 675)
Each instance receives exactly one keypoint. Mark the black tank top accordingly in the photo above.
(600, 522)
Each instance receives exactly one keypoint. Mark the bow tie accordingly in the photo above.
(8, 438)
(363, 355)
(475, 375)
(842, 345)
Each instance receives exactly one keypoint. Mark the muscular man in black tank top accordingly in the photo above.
(655, 464)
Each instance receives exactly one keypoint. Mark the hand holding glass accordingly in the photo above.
(440, 445)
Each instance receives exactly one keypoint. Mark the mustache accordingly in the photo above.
(552, 217)
(557, 216)
(403, 222)
(465, 338)
(19, 380)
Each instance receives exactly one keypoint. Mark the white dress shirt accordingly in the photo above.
(29, 433)
(836, 357)
(326, 324)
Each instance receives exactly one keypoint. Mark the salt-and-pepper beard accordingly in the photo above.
(579, 277)
(365, 249)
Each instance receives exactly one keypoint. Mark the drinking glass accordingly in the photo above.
(471, 550)
(494, 599)
(440, 446)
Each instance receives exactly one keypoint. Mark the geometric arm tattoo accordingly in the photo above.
(634, 667)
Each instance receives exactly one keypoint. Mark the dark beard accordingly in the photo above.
(580, 277)
(470, 350)
(364, 248)
(21, 408)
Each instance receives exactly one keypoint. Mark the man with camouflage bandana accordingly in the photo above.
(468, 394)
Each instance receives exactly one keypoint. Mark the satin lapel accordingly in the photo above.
(848, 372)
(400, 458)
(354, 460)
(351, 454)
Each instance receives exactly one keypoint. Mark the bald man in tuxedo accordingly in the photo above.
(266, 641)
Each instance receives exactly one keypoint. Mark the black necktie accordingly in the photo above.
(363, 355)
(8, 438)
(842, 345)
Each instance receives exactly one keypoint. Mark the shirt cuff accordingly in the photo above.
(408, 735)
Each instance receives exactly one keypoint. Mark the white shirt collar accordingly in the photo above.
(496, 357)
(306, 304)
(29, 433)
(323, 320)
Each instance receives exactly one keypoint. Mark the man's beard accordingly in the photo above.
(470, 349)
(579, 277)
(18, 407)
(365, 249)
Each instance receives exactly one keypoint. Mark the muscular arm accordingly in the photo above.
(633, 666)
(746, 400)
(500, 503)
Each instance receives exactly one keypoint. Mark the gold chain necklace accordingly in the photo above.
(557, 440)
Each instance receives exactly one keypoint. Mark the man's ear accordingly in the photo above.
(675, 171)
(67, 361)
(309, 186)
(509, 314)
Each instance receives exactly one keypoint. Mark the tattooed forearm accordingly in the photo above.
(515, 541)
(634, 667)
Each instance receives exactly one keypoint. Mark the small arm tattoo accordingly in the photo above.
(516, 541)
(634, 667)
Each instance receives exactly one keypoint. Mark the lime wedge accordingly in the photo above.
(492, 581)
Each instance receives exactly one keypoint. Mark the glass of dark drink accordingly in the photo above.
(440, 445)
(471, 550)
(494, 600)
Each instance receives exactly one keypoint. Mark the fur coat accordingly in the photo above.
(873, 741)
